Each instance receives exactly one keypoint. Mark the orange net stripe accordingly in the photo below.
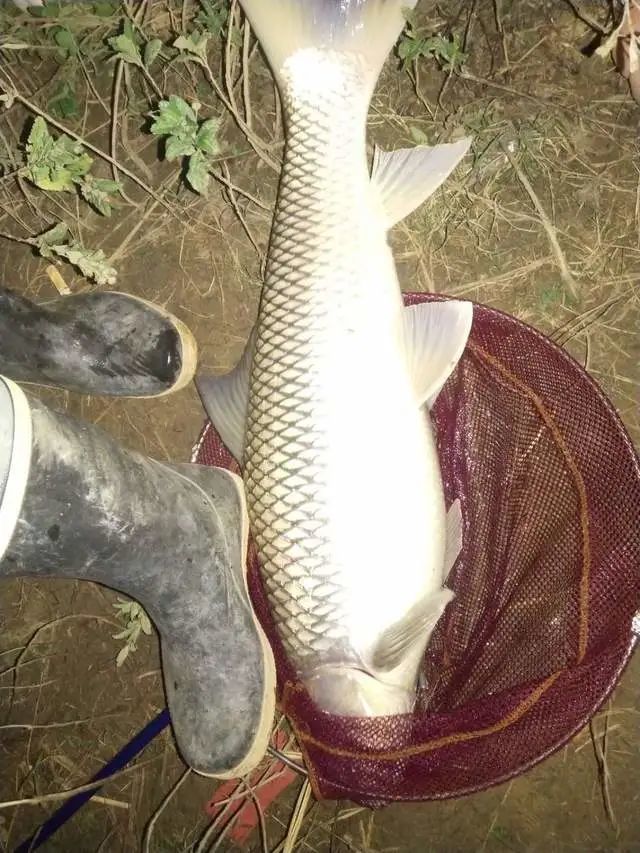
(583, 627)
(583, 631)
(437, 743)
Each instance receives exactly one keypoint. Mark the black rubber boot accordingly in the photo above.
(75, 504)
(99, 343)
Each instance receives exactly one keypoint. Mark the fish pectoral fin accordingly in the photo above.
(226, 398)
(436, 334)
(416, 626)
(453, 547)
(405, 178)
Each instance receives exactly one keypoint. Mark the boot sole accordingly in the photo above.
(261, 741)
(258, 748)
(19, 464)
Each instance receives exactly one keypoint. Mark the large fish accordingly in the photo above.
(326, 410)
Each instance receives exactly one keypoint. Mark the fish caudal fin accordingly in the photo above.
(366, 27)
(407, 177)
(436, 335)
(226, 399)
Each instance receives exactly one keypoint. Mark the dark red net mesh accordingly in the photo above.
(546, 587)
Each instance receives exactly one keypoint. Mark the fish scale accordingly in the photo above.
(287, 500)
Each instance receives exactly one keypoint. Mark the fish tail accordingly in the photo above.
(369, 28)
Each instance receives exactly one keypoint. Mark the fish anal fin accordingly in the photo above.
(416, 626)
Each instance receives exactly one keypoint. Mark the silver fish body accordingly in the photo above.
(343, 486)
(341, 472)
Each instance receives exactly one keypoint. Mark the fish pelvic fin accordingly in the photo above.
(436, 335)
(350, 692)
(369, 28)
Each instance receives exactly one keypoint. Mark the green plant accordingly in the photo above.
(129, 47)
(213, 16)
(194, 45)
(136, 623)
(413, 45)
(64, 102)
(62, 165)
(57, 242)
(187, 137)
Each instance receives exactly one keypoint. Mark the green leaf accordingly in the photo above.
(63, 102)
(97, 191)
(207, 136)
(213, 16)
(129, 30)
(194, 44)
(54, 164)
(551, 296)
(56, 243)
(65, 39)
(91, 263)
(39, 143)
(123, 654)
(105, 8)
(176, 147)
(198, 173)
(418, 135)
(50, 9)
(151, 50)
(174, 117)
(58, 234)
(126, 49)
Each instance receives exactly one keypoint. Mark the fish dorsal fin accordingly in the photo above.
(416, 626)
(436, 335)
(405, 178)
(225, 399)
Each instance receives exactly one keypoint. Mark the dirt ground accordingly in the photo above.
(555, 142)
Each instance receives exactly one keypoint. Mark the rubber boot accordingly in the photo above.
(75, 504)
(100, 343)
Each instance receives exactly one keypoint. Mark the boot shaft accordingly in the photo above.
(84, 507)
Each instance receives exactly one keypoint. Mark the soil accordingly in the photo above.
(572, 128)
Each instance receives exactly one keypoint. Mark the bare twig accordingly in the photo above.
(146, 842)
(586, 18)
(565, 272)
(600, 752)
(71, 792)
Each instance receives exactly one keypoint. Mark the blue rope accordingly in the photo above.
(73, 804)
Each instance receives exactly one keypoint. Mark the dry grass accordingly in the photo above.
(542, 221)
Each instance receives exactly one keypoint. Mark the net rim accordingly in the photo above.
(621, 659)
